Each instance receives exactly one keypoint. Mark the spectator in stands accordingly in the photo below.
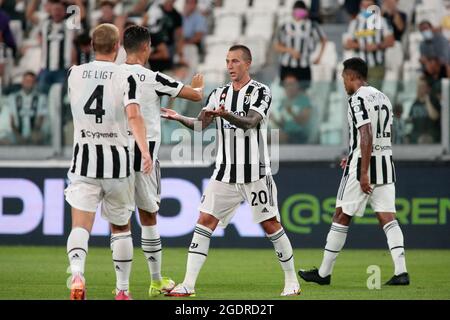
(296, 41)
(6, 135)
(434, 44)
(368, 40)
(399, 125)
(352, 7)
(164, 20)
(6, 40)
(295, 118)
(434, 72)
(82, 51)
(56, 43)
(194, 30)
(27, 112)
(108, 15)
(160, 59)
(36, 16)
(15, 10)
(397, 19)
(425, 116)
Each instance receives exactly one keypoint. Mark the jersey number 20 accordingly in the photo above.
(98, 111)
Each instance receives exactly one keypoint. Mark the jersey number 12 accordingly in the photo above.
(98, 111)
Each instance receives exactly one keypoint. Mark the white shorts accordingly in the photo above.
(353, 200)
(148, 189)
(115, 195)
(221, 199)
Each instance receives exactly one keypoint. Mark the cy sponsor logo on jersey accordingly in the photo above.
(97, 135)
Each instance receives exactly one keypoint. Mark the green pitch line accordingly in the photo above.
(40, 273)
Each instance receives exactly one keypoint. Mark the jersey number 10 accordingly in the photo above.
(98, 111)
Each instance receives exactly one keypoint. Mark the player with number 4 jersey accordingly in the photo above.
(104, 100)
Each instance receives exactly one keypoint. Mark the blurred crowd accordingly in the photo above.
(41, 39)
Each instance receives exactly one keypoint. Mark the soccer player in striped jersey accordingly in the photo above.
(152, 85)
(369, 174)
(104, 100)
(241, 112)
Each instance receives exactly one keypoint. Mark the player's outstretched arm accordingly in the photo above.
(251, 120)
(137, 127)
(194, 92)
(366, 153)
(201, 122)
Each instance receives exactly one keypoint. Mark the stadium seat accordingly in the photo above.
(259, 47)
(228, 25)
(271, 5)
(260, 24)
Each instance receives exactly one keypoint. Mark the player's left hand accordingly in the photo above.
(219, 112)
(365, 184)
(147, 163)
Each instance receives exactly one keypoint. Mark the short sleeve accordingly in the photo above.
(211, 101)
(359, 111)
(166, 86)
(261, 101)
(201, 25)
(131, 92)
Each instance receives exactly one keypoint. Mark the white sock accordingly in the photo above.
(198, 251)
(122, 254)
(77, 249)
(335, 242)
(285, 255)
(394, 237)
(151, 246)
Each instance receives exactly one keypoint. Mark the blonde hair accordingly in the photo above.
(104, 38)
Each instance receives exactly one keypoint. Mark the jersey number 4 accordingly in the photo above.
(98, 111)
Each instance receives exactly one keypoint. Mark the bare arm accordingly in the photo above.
(366, 153)
(323, 43)
(186, 121)
(30, 10)
(388, 42)
(248, 122)
(194, 92)
(137, 127)
(431, 109)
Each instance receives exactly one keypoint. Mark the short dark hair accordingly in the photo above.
(357, 65)
(426, 22)
(245, 50)
(299, 4)
(84, 39)
(134, 36)
(30, 73)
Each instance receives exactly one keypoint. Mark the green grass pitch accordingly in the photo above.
(40, 273)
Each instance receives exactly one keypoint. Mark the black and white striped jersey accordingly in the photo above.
(99, 92)
(303, 36)
(242, 155)
(365, 31)
(152, 86)
(57, 42)
(370, 106)
(25, 109)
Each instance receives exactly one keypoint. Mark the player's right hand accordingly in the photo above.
(169, 114)
(197, 81)
(343, 163)
(147, 163)
(365, 184)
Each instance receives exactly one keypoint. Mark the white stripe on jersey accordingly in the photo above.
(370, 106)
(242, 156)
(57, 43)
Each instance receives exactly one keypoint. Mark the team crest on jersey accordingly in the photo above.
(247, 98)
